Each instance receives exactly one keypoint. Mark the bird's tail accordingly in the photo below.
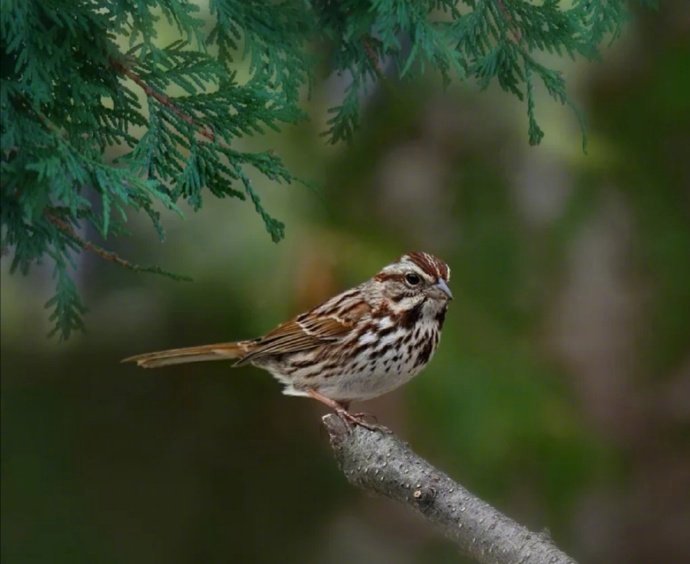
(219, 351)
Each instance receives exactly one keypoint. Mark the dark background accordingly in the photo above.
(560, 393)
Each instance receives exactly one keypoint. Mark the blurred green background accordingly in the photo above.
(560, 393)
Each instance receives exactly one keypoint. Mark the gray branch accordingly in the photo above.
(379, 462)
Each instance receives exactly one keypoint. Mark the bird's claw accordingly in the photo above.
(360, 419)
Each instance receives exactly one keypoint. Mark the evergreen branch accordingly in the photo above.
(373, 58)
(517, 35)
(70, 95)
(109, 256)
(163, 99)
(67, 306)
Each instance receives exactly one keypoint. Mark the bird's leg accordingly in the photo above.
(341, 409)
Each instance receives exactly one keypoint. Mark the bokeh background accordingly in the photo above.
(560, 394)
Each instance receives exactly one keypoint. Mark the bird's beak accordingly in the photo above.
(441, 285)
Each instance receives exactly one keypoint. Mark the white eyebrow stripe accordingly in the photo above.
(422, 273)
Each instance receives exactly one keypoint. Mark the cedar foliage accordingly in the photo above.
(74, 74)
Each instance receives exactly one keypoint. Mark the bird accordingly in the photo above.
(358, 345)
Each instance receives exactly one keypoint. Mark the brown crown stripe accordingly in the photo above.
(430, 264)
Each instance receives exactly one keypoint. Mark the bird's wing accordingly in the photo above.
(305, 332)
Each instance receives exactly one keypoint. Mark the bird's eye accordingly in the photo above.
(412, 279)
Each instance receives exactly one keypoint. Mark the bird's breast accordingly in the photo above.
(378, 360)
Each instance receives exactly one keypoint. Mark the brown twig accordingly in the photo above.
(373, 58)
(517, 36)
(163, 99)
(109, 256)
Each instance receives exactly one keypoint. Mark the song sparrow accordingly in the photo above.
(358, 345)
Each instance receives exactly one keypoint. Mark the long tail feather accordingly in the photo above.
(219, 351)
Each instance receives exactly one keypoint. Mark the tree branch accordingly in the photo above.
(381, 463)
(162, 99)
(517, 36)
(109, 256)
(370, 51)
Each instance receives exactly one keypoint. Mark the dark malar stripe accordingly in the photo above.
(441, 317)
(410, 317)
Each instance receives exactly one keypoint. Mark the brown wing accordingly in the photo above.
(305, 332)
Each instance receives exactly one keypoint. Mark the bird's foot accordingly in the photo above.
(349, 418)
(361, 420)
